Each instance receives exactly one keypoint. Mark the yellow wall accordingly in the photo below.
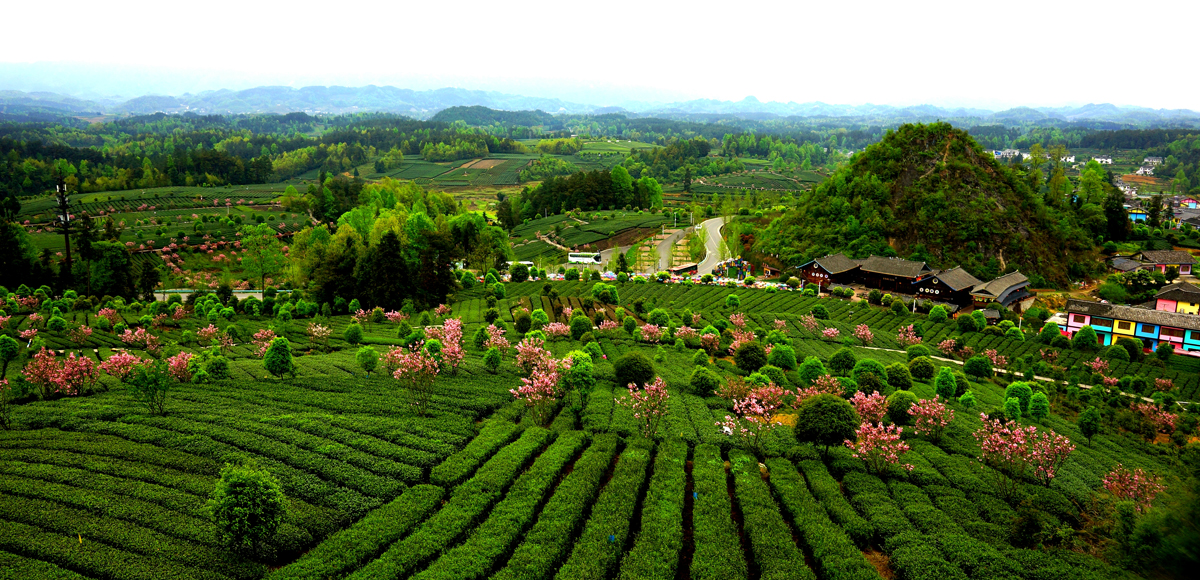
(1127, 332)
(1187, 307)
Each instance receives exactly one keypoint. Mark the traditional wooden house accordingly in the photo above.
(1162, 259)
(1151, 327)
(1004, 290)
(953, 286)
(833, 269)
(892, 274)
(1179, 297)
(1122, 264)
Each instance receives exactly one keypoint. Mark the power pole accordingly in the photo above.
(64, 217)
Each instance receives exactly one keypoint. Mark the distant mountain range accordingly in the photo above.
(32, 106)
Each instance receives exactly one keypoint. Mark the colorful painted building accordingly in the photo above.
(1179, 297)
(1162, 259)
(1151, 327)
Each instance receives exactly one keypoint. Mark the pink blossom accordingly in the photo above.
(558, 330)
(879, 446)
(651, 333)
(531, 355)
(931, 417)
(738, 319)
(567, 312)
(1136, 486)
(648, 403)
(120, 364)
(4, 321)
(1160, 384)
(142, 338)
(871, 408)
(809, 322)
(997, 359)
(79, 335)
(28, 334)
(1097, 365)
(416, 369)
(177, 367)
(740, 337)
(1163, 421)
(539, 391)
(863, 333)
(442, 310)
(262, 339)
(608, 327)
(824, 385)
(754, 413)
(907, 336)
(710, 342)
(948, 347)
(686, 333)
(1014, 452)
(35, 319)
(75, 372)
(395, 316)
(831, 333)
(496, 339)
(780, 325)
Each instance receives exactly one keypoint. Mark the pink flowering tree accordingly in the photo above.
(416, 370)
(1163, 421)
(262, 341)
(931, 417)
(111, 315)
(1134, 485)
(687, 333)
(879, 446)
(209, 334)
(28, 334)
(120, 364)
(442, 310)
(710, 343)
(863, 332)
(907, 336)
(809, 322)
(177, 367)
(49, 376)
(781, 325)
(80, 335)
(651, 333)
(557, 330)
(871, 408)
(753, 414)
(607, 327)
(649, 405)
(831, 333)
(539, 391)
(567, 311)
(824, 385)
(948, 347)
(4, 322)
(1161, 384)
(34, 319)
(998, 360)
(496, 339)
(141, 338)
(738, 319)
(1097, 366)
(531, 353)
(452, 349)
(740, 337)
(318, 335)
(1015, 453)
(395, 316)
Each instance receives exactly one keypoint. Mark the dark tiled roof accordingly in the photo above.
(1167, 257)
(989, 313)
(999, 285)
(1179, 291)
(1134, 314)
(894, 266)
(1125, 264)
(836, 263)
(957, 278)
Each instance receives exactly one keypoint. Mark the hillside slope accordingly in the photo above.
(931, 192)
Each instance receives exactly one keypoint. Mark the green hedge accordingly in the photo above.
(544, 546)
(467, 504)
(834, 552)
(770, 539)
(475, 557)
(829, 492)
(455, 469)
(718, 554)
(15, 566)
(349, 548)
(656, 552)
(603, 541)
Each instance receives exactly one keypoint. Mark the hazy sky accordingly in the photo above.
(963, 52)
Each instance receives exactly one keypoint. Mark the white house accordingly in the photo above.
(1154, 160)
(1103, 159)
(1006, 154)
(1145, 170)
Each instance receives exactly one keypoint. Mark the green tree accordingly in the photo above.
(704, 381)
(633, 368)
(898, 404)
(247, 505)
(826, 420)
(383, 274)
(1085, 339)
(937, 314)
(353, 333)
(979, 366)
(1022, 392)
(491, 359)
(945, 385)
(842, 362)
(367, 359)
(1039, 406)
(149, 384)
(750, 356)
(1164, 352)
(278, 359)
(9, 349)
(262, 253)
(1012, 409)
(1089, 423)
(784, 356)
(581, 376)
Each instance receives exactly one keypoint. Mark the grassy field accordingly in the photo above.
(94, 487)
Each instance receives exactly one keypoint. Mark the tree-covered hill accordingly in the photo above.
(932, 193)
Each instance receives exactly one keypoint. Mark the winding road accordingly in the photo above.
(712, 243)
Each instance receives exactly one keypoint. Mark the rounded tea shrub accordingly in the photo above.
(633, 367)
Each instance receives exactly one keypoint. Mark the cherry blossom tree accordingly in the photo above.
(532, 354)
(80, 335)
(948, 347)
(28, 334)
(871, 408)
(607, 327)
(1015, 453)
(4, 321)
(44, 372)
(1161, 384)
(863, 332)
(831, 333)
(442, 310)
(560, 330)
(177, 367)
(740, 337)
(824, 385)
(496, 339)
(738, 319)
(452, 350)
(651, 333)
(710, 343)
(879, 446)
(780, 325)
(539, 391)
(686, 333)
(1163, 421)
(809, 322)
(141, 338)
(395, 316)
(262, 339)
(209, 333)
(907, 336)
(416, 371)
(1097, 365)
(649, 405)
(931, 417)
(318, 334)
(120, 364)
(1133, 485)
(754, 415)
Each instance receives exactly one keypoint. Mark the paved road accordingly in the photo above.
(607, 255)
(712, 231)
(665, 247)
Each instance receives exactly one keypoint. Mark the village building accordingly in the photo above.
(1005, 290)
(952, 286)
(1153, 161)
(1162, 259)
(1179, 297)
(1123, 264)
(1103, 159)
(892, 274)
(832, 269)
(1189, 203)
(1145, 170)
(1151, 327)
